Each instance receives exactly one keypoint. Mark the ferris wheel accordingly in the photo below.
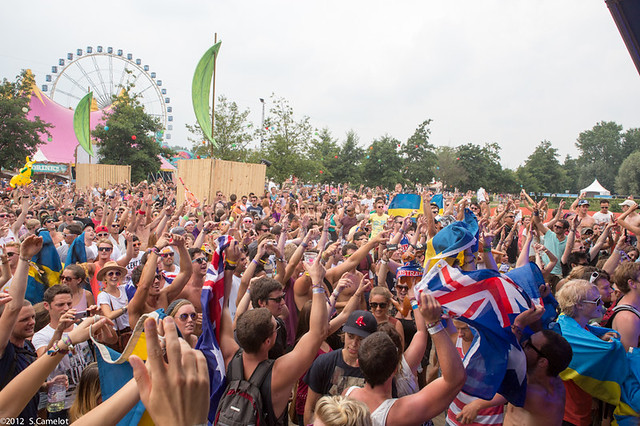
(105, 71)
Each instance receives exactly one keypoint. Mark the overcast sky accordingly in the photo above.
(515, 72)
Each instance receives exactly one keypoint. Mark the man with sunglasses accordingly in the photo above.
(547, 354)
(69, 233)
(167, 265)
(269, 293)
(554, 234)
(151, 294)
(378, 218)
(67, 219)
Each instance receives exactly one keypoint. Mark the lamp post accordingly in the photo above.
(262, 128)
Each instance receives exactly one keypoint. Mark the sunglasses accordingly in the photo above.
(3, 216)
(200, 260)
(402, 287)
(376, 305)
(528, 344)
(64, 278)
(105, 248)
(594, 277)
(166, 255)
(277, 299)
(184, 317)
(11, 254)
(114, 273)
(103, 234)
(48, 221)
(596, 302)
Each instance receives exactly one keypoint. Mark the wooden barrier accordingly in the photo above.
(205, 177)
(89, 174)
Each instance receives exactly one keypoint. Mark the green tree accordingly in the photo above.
(350, 159)
(571, 170)
(482, 165)
(130, 139)
(382, 165)
(628, 180)
(448, 169)
(324, 155)
(419, 156)
(232, 131)
(601, 153)
(542, 171)
(630, 142)
(19, 136)
(286, 143)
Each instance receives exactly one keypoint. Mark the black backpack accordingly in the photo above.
(241, 403)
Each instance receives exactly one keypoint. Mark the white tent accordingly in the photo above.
(594, 189)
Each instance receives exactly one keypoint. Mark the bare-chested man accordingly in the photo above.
(548, 353)
(629, 219)
(581, 207)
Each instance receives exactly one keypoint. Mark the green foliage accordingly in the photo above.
(419, 156)
(482, 165)
(286, 143)
(351, 156)
(571, 171)
(117, 146)
(601, 153)
(324, 156)
(232, 131)
(628, 180)
(19, 136)
(449, 170)
(383, 167)
(542, 171)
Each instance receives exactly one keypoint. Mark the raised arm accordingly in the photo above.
(186, 267)
(626, 225)
(29, 248)
(415, 351)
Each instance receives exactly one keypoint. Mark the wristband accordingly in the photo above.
(435, 329)
(383, 262)
(155, 250)
(486, 249)
(24, 258)
(185, 217)
(318, 290)
(228, 267)
(304, 245)
(335, 293)
(55, 349)
(231, 262)
(67, 341)
(255, 261)
(414, 304)
(124, 310)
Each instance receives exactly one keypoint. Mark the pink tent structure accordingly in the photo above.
(61, 147)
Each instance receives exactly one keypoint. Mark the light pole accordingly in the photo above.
(262, 128)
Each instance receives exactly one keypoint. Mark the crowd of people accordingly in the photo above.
(319, 317)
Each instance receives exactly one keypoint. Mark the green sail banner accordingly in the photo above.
(81, 124)
(201, 90)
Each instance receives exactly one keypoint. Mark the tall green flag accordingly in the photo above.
(201, 90)
(81, 124)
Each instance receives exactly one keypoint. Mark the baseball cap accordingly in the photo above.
(101, 229)
(361, 323)
(627, 203)
(586, 230)
(583, 203)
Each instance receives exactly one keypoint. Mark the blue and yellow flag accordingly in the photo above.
(438, 200)
(452, 240)
(404, 204)
(601, 368)
(77, 252)
(44, 271)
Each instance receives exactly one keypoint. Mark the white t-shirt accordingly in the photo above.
(367, 202)
(91, 251)
(133, 264)
(233, 296)
(600, 217)
(9, 238)
(116, 303)
(71, 365)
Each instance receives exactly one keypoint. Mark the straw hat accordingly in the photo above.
(111, 266)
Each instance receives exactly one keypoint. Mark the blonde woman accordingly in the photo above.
(185, 316)
(341, 411)
(379, 303)
(89, 393)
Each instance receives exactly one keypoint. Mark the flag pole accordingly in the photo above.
(213, 95)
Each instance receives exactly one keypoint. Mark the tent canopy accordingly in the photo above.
(595, 189)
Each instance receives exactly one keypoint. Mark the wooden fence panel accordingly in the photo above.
(88, 174)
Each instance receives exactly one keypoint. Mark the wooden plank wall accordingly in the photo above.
(205, 177)
(88, 174)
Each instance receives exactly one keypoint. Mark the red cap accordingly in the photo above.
(101, 229)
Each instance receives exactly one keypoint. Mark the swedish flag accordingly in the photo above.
(44, 271)
(451, 242)
(404, 204)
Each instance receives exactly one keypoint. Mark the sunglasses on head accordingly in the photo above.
(376, 305)
(184, 317)
(596, 302)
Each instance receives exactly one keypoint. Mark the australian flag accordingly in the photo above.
(488, 302)
(212, 299)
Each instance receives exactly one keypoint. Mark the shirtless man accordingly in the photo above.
(629, 219)
(150, 294)
(581, 207)
(193, 290)
(548, 353)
